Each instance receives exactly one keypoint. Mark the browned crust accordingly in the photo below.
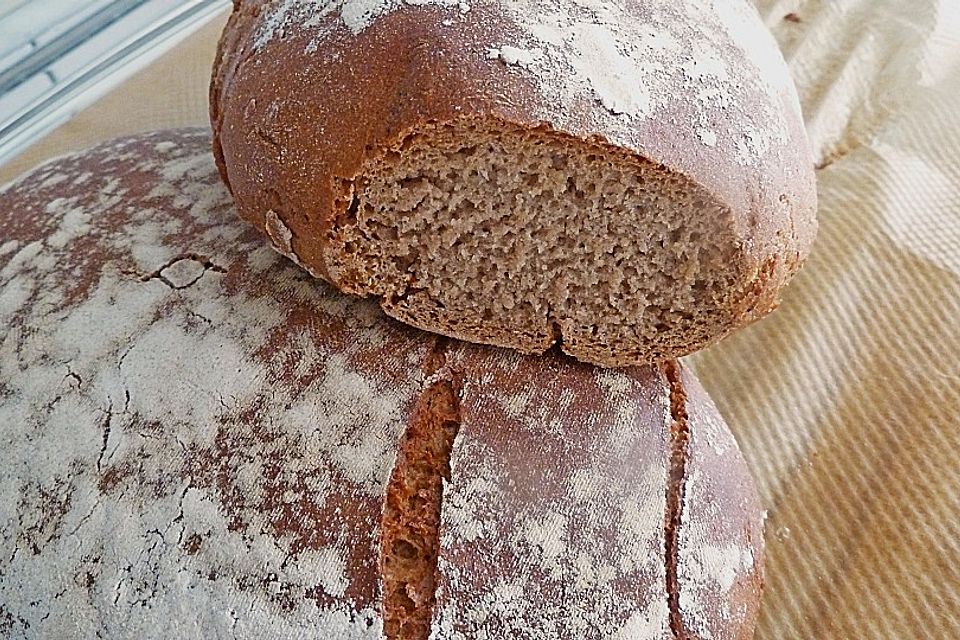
(227, 45)
(731, 490)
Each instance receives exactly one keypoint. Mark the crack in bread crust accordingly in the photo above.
(676, 484)
(478, 230)
(410, 541)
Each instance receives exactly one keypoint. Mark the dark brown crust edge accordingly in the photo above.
(676, 481)
(412, 511)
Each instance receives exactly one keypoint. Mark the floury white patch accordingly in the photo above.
(634, 65)
(143, 419)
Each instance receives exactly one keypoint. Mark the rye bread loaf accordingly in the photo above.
(628, 178)
(200, 441)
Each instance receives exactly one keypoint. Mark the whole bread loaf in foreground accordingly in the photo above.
(201, 441)
(627, 178)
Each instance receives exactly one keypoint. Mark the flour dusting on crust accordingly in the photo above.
(718, 566)
(550, 531)
(178, 462)
(636, 60)
(283, 16)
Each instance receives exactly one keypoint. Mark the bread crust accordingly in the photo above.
(199, 439)
(304, 96)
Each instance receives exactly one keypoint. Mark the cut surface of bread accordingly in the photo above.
(523, 238)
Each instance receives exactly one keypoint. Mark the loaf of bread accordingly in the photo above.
(200, 441)
(628, 178)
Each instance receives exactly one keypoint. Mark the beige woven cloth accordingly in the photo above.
(846, 401)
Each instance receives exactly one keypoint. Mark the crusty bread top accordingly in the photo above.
(711, 596)
(306, 91)
(198, 439)
(197, 436)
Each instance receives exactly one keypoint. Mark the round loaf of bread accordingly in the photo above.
(201, 441)
(628, 178)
